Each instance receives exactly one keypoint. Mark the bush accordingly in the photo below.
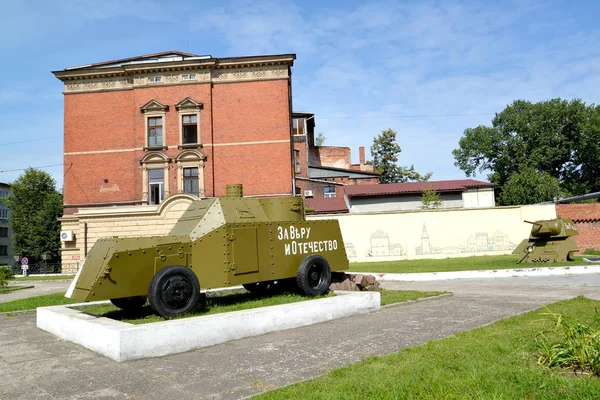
(571, 345)
(5, 273)
(592, 252)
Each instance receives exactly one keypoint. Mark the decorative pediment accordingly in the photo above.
(154, 158)
(190, 155)
(188, 104)
(154, 105)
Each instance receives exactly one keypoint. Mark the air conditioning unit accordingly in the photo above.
(66, 236)
(308, 193)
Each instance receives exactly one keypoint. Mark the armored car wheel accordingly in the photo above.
(314, 275)
(173, 291)
(259, 287)
(129, 304)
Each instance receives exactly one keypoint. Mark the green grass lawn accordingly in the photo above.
(454, 264)
(493, 362)
(32, 303)
(237, 302)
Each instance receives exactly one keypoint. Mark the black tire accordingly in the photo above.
(130, 304)
(173, 291)
(259, 287)
(314, 276)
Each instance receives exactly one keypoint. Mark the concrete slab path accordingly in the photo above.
(35, 364)
(39, 288)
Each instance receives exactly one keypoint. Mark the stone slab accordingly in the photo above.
(121, 341)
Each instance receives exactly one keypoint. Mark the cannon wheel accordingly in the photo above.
(129, 304)
(174, 291)
(314, 275)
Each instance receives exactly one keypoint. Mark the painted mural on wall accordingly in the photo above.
(479, 242)
(380, 246)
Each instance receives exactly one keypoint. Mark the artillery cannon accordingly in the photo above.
(550, 240)
(217, 242)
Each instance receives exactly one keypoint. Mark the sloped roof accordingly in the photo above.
(388, 189)
(585, 212)
(326, 205)
(334, 172)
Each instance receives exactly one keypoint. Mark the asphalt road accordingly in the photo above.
(35, 364)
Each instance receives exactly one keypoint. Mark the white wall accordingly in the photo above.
(437, 233)
(400, 203)
(476, 198)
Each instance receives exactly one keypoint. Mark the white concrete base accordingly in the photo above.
(121, 341)
(497, 273)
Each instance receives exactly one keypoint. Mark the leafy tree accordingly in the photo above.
(430, 198)
(35, 206)
(558, 137)
(320, 139)
(529, 187)
(385, 152)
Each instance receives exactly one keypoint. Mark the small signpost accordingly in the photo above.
(25, 265)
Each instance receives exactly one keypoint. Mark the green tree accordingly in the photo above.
(430, 198)
(320, 139)
(385, 152)
(529, 187)
(35, 206)
(558, 137)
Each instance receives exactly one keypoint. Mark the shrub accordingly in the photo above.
(5, 273)
(592, 252)
(571, 344)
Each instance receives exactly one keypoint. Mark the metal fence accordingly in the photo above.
(40, 268)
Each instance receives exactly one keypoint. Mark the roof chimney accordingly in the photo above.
(361, 152)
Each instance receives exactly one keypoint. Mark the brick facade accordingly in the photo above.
(243, 129)
(587, 219)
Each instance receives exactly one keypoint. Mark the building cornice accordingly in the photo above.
(124, 77)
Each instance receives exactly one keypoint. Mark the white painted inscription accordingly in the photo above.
(306, 246)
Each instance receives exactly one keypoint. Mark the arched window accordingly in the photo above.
(190, 172)
(155, 177)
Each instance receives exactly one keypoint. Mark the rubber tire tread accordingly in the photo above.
(130, 304)
(154, 296)
(259, 287)
(302, 276)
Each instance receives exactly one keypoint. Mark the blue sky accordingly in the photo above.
(425, 69)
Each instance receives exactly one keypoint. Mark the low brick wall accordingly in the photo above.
(587, 219)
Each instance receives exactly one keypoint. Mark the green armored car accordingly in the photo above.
(217, 242)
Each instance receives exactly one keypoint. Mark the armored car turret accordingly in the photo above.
(217, 242)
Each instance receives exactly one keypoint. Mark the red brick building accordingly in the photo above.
(323, 171)
(137, 130)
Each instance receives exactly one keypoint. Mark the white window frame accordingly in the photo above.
(190, 159)
(329, 194)
(154, 160)
(294, 125)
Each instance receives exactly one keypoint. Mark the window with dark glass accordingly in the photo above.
(3, 250)
(155, 127)
(190, 180)
(189, 124)
(156, 182)
(329, 191)
(4, 232)
(297, 160)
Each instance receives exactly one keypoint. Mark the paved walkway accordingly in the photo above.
(39, 288)
(56, 369)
